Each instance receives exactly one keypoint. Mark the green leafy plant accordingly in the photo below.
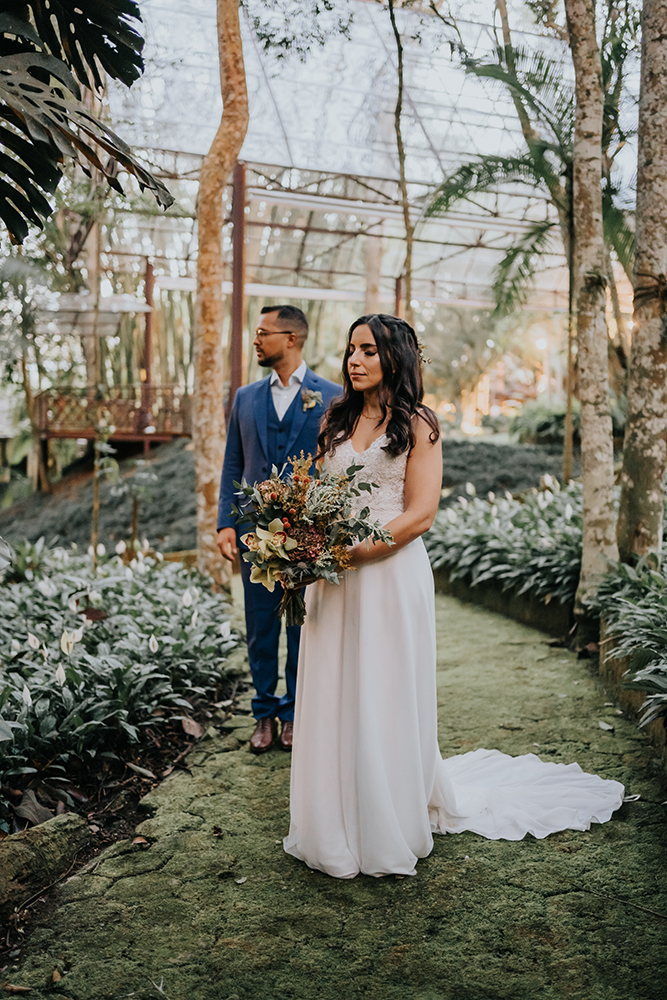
(537, 423)
(529, 545)
(633, 603)
(48, 51)
(90, 659)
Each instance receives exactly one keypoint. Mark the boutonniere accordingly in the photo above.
(310, 399)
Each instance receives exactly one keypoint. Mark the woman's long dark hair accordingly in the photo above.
(401, 391)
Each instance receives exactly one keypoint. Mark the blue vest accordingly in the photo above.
(278, 432)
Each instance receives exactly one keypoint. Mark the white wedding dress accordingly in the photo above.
(369, 786)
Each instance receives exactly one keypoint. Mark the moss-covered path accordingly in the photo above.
(214, 910)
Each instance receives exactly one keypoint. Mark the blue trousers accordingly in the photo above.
(263, 631)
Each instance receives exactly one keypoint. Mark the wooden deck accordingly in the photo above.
(135, 412)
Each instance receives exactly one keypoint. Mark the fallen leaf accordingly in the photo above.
(240, 881)
(94, 828)
(141, 841)
(217, 831)
(95, 614)
(143, 771)
(56, 977)
(191, 727)
(32, 810)
(605, 726)
(11, 988)
(76, 793)
(631, 798)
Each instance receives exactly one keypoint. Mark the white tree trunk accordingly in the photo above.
(208, 418)
(597, 452)
(645, 452)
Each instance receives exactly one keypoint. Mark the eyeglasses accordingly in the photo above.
(270, 333)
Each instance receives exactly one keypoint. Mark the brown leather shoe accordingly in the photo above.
(286, 736)
(264, 736)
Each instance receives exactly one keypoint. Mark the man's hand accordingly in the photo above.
(227, 543)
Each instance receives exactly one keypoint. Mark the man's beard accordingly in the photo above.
(267, 362)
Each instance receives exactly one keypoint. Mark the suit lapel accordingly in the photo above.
(262, 413)
(300, 416)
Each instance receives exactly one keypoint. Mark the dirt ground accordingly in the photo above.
(212, 908)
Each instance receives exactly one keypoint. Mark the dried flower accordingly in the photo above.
(311, 398)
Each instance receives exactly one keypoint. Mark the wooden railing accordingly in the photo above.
(134, 411)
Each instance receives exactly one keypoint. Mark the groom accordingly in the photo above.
(271, 421)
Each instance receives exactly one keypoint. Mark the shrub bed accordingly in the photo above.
(93, 662)
(497, 467)
(633, 604)
(529, 545)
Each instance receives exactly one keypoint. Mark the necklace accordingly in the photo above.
(376, 416)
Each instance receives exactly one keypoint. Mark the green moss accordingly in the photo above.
(228, 916)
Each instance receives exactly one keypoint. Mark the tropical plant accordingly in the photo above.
(633, 603)
(89, 660)
(537, 423)
(49, 50)
(543, 97)
(530, 545)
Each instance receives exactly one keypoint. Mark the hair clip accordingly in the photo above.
(421, 349)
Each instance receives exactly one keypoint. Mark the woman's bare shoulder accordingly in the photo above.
(425, 426)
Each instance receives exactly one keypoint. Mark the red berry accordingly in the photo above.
(274, 496)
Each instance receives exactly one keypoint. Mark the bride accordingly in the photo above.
(368, 784)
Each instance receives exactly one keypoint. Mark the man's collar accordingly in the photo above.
(298, 375)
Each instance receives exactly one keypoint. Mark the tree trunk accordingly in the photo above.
(597, 452)
(645, 453)
(95, 513)
(208, 419)
(403, 184)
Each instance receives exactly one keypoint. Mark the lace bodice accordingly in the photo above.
(387, 471)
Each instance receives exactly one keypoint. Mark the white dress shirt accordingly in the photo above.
(283, 395)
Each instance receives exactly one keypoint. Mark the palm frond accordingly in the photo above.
(480, 175)
(538, 82)
(515, 275)
(618, 234)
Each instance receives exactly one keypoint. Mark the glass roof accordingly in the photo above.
(322, 158)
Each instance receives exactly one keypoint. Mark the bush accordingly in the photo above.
(89, 660)
(493, 467)
(532, 544)
(537, 423)
(633, 603)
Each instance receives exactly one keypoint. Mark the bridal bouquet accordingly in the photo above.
(303, 528)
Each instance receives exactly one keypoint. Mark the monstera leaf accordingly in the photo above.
(43, 121)
(83, 34)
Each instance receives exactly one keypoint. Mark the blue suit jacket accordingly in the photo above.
(246, 448)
